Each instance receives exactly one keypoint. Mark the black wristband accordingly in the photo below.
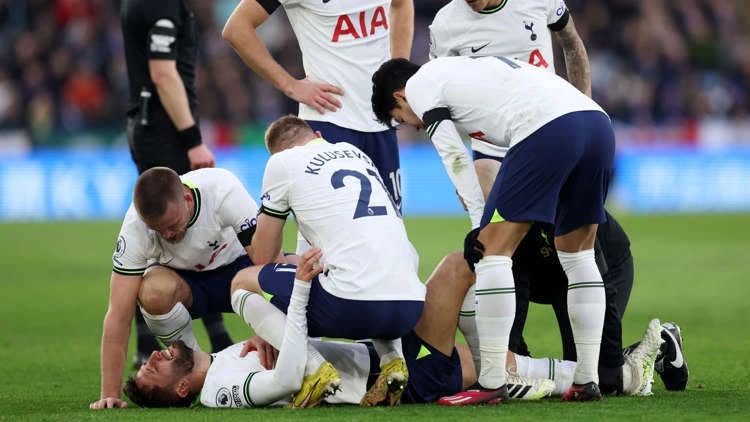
(190, 137)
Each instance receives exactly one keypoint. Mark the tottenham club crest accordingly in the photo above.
(119, 250)
(222, 398)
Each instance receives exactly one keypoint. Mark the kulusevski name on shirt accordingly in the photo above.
(319, 160)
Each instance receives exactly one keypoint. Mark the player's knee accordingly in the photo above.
(247, 279)
(157, 294)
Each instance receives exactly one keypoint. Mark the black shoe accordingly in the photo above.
(583, 392)
(670, 363)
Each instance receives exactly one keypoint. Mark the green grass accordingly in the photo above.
(692, 269)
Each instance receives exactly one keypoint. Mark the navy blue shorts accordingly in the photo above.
(331, 316)
(431, 374)
(211, 289)
(558, 175)
(381, 147)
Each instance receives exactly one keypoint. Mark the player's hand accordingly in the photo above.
(317, 95)
(473, 248)
(266, 353)
(200, 156)
(108, 403)
(309, 266)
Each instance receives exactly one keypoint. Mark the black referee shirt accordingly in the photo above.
(158, 29)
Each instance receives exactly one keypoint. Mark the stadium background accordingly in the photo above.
(674, 75)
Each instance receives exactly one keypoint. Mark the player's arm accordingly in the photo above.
(162, 67)
(123, 293)
(266, 387)
(268, 237)
(402, 28)
(456, 160)
(576, 59)
(240, 32)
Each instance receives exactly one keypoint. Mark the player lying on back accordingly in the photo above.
(174, 377)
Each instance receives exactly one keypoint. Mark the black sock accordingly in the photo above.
(146, 341)
(217, 332)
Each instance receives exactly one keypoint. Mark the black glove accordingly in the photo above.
(473, 248)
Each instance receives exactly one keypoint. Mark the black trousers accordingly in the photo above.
(156, 144)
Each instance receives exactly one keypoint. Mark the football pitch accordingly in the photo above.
(692, 269)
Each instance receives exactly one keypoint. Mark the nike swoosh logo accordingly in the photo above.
(678, 359)
(475, 49)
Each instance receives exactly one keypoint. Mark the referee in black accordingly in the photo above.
(162, 125)
(539, 278)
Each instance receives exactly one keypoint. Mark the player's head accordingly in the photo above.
(477, 5)
(163, 381)
(287, 132)
(388, 98)
(163, 202)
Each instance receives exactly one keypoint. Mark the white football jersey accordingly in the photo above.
(342, 207)
(343, 43)
(223, 208)
(495, 100)
(516, 29)
(228, 380)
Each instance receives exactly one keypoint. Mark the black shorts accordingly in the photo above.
(431, 374)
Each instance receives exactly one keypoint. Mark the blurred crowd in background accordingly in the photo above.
(665, 70)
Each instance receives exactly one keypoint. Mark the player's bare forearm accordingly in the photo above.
(113, 353)
(576, 58)
(240, 33)
(172, 93)
(402, 28)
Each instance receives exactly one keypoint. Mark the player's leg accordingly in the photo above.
(164, 298)
(580, 210)
(486, 167)
(496, 300)
(445, 288)
(269, 322)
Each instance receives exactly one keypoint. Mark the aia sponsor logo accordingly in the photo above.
(360, 25)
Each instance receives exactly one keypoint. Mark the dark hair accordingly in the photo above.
(154, 189)
(156, 397)
(389, 78)
(284, 131)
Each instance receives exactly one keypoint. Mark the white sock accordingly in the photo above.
(586, 304)
(172, 326)
(388, 350)
(268, 322)
(559, 371)
(467, 323)
(496, 309)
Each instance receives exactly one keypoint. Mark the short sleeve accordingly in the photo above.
(423, 93)
(237, 208)
(163, 19)
(557, 15)
(276, 184)
(130, 256)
